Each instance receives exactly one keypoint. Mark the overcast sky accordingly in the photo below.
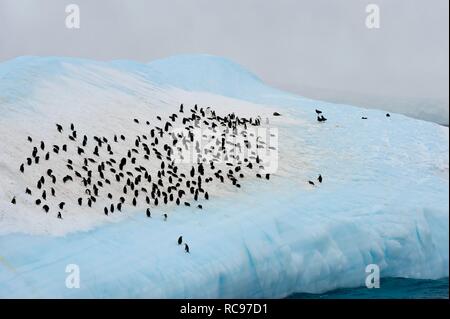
(298, 45)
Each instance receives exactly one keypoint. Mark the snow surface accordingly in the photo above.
(384, 199)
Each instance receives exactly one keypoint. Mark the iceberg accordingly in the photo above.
(384, 199)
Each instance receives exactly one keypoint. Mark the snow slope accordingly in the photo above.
(384, 199)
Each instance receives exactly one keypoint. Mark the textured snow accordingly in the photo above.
(384, 199)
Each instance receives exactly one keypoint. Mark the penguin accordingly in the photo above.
(59, 128)
(67, 178)
(180, 240)
(388, 115)
(30, 139)
(181, 109)
(105, 211)
(165, 217)
(311, 183)
(364, 118)
(148, 213)
(61, 205)
(318, 112)
(320, 178)
(13, 201)
(186, 248)
(59, 215)
(45, 208)
(276, 114)
(27, 191)
(320, 118)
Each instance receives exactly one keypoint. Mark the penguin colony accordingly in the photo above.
(99, 171)
(146, 174)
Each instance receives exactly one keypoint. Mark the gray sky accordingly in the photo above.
(317, 48)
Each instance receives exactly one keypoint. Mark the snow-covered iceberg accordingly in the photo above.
(384, 199)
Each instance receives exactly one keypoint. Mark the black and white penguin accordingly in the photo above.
(180, 240)
(186, 248)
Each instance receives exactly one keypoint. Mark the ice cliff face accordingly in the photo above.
(384, 198)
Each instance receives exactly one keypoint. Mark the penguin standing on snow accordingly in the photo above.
(13, 201)
(321, 118)
(320, 178)
(186, 248)
(149, 214)
(180, 240)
